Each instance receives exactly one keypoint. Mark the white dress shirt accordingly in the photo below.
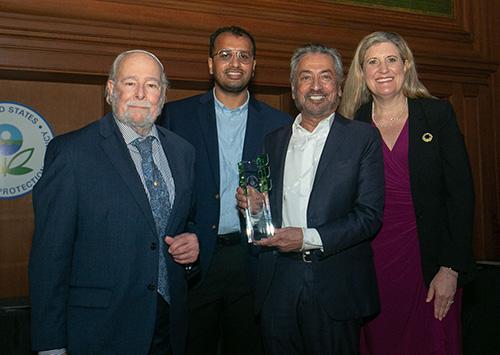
(302, 158)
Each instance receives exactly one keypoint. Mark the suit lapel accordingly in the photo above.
(333, 144)
(208, 125)
(277, 155)
(117, 152)
(417, 127)
(176, 165)
(254, 131)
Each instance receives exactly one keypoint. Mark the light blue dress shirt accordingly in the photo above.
(231, 128)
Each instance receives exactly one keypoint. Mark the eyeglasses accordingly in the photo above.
(226, 55)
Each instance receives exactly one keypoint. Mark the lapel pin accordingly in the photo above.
(427, 137)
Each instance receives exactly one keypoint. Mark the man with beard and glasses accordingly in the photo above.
(225, 125)
(111, 248)
(316, 278)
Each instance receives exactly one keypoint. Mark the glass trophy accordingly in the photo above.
(255, 180)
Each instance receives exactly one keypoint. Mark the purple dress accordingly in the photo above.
(406, 324)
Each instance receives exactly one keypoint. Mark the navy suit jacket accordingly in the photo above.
(345, 206)
(194, 119)
(94, 261)
(441, 186)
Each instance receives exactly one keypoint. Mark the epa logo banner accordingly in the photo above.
(24, 135)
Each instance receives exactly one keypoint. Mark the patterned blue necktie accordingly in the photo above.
(160, 206)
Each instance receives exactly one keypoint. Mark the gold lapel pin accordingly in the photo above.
(427, 137)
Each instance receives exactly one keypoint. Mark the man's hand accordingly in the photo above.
(241, 199)
(184, 248)
(253, 198)
(285, 239)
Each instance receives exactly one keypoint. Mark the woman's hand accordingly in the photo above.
(442, 289)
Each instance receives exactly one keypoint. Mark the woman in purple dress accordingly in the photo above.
(423, 253)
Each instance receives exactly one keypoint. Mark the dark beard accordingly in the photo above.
(235, 89)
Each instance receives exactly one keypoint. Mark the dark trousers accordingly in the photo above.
(160, 345)
(222, 318)
(294, 323)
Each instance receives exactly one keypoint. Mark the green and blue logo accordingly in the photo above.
(24, 135)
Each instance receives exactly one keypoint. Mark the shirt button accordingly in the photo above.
(152, 287)
(214, 226)
(153, 246)
(217, 196)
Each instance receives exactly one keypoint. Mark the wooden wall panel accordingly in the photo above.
(493, 19)
(55, 55)
(470, 129)
(16, 228)
(65, 106)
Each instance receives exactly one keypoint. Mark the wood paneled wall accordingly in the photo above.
(55, 55)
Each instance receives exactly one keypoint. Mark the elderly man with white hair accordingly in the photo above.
(110, 247)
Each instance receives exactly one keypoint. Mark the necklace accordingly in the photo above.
(391, 120)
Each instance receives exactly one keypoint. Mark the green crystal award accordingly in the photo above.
(255, 180)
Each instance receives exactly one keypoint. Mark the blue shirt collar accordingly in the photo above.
(219, 105)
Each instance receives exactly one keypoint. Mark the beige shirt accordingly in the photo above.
(302, 159)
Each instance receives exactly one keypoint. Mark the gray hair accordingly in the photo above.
(316, 48)
(165, 84)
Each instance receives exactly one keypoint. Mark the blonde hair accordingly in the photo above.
(357, 93)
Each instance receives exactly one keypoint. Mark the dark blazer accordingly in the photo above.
(194, 119)
(441, 186)
(345, 206)
(94, 261)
